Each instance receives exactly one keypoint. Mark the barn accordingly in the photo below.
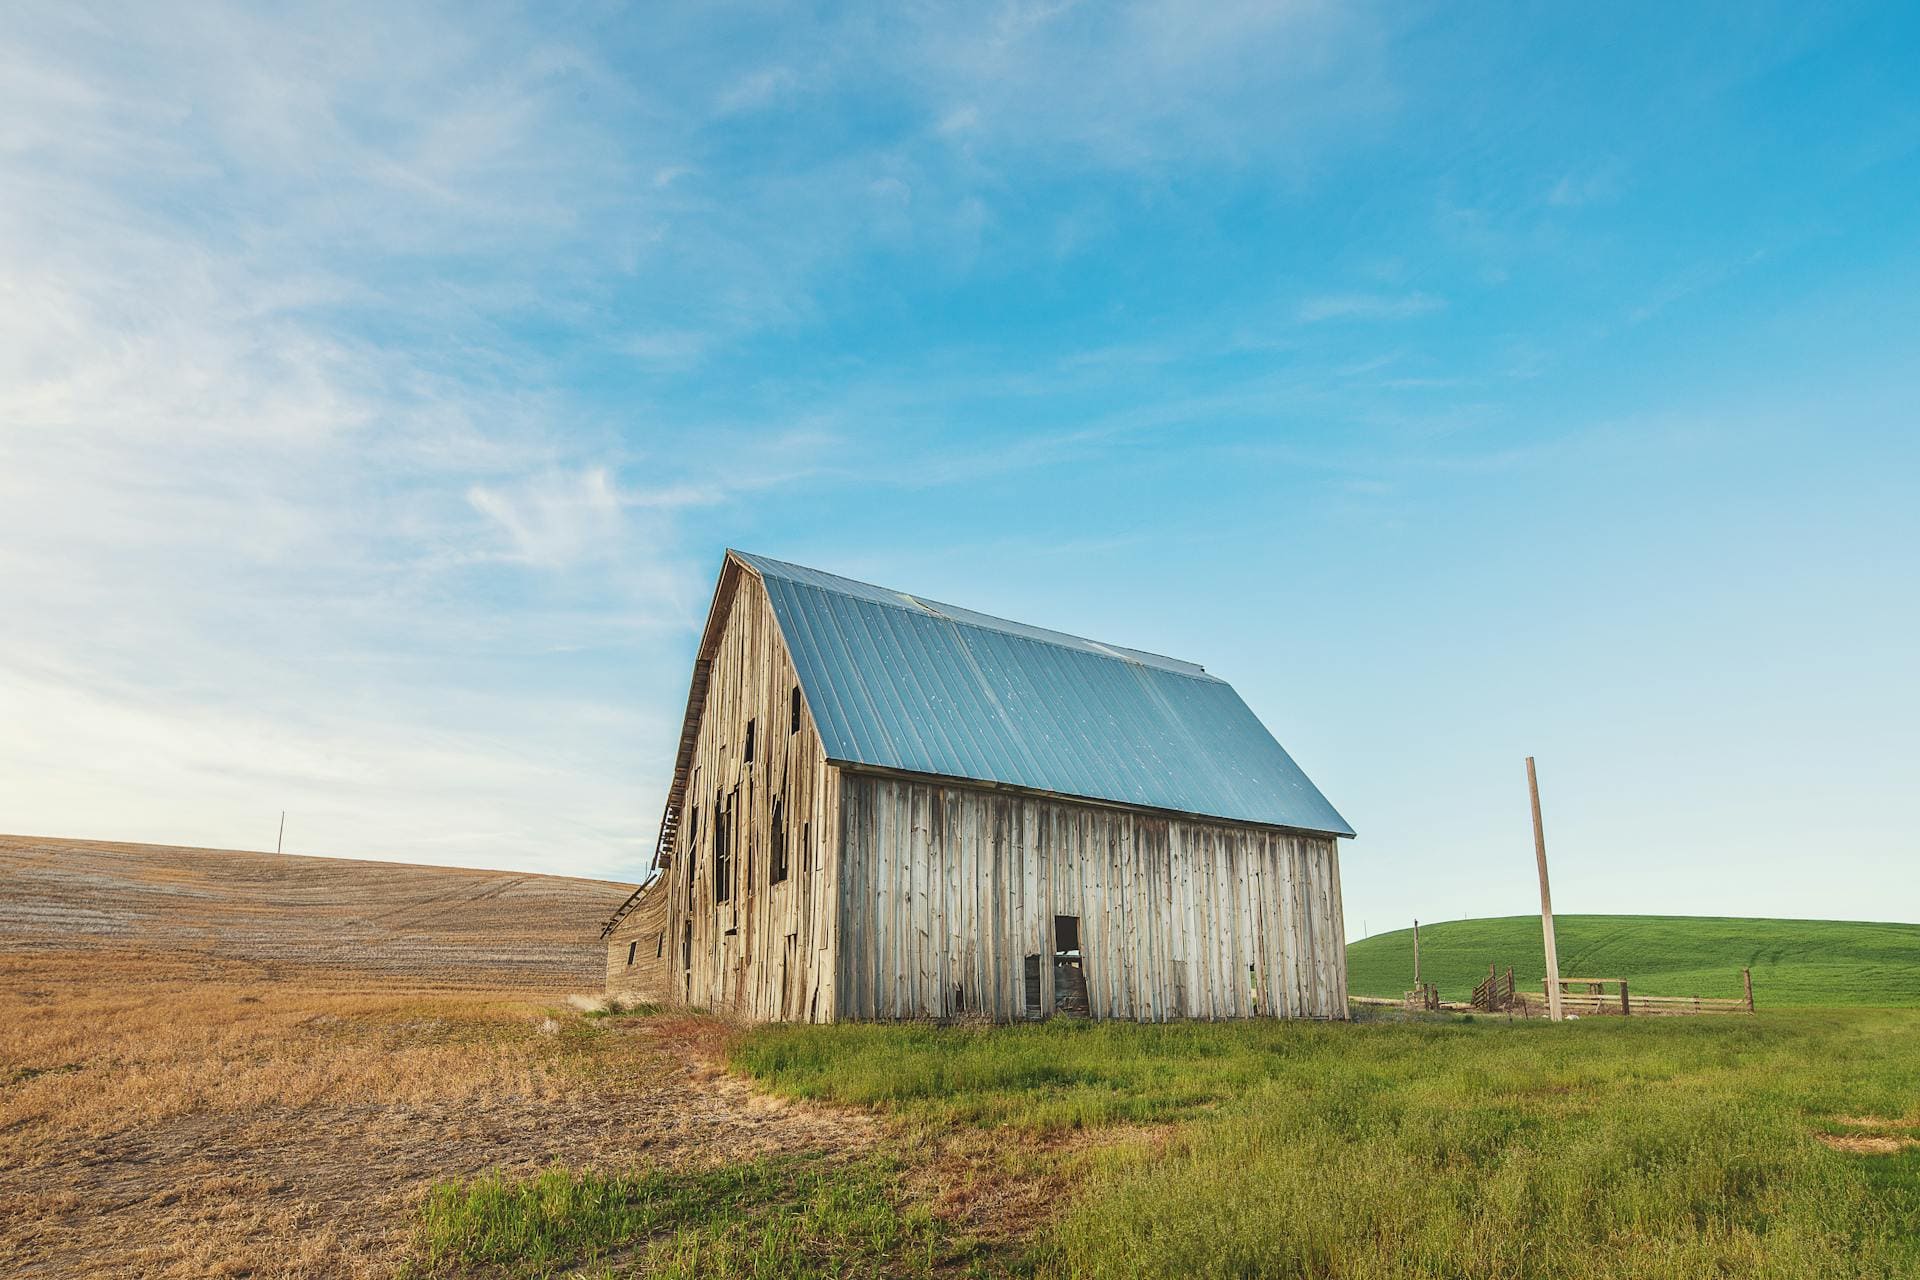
(885, 807)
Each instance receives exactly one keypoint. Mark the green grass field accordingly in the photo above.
(1784, 1145)
(1796, 963)
(1657, 1148)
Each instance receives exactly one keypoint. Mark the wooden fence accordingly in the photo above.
(1496, 994)
(1586, 997)
(1591, 997)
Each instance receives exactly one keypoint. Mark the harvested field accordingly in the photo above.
(236, 1064)
(226, 1064)
(191, 1119)
(291, 916)
(212, 1103)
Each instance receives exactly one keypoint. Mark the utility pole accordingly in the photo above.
(1416, 953)
(282, 837)
(1546, 898)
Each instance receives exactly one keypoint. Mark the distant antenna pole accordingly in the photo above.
(282, 837)
(1546, 898)
(1416, 953)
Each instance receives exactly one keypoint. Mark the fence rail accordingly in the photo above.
(1588, 997)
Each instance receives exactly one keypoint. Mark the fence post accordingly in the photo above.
(1746, 977)
(1626, 1010)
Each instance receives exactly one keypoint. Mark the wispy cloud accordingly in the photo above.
(1149, 84)
(1368, 306)
(1594, 185)
(757, 90)
(268, 461)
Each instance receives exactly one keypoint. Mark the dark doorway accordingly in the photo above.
(1069, 973)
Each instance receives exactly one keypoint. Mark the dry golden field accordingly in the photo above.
(231, 1064)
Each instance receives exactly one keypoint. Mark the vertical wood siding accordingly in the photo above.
(642, 933)
(767, 952)
(946, 889)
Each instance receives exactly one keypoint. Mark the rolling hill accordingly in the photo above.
(290, 915)
(1794, 962)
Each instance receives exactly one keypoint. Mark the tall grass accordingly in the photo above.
(1657, 1148)
(787, 1218)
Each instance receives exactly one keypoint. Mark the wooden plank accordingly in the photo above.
(1339, 947)
(920, 997)
(1554, 994)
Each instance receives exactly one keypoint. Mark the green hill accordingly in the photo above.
(1794, 962)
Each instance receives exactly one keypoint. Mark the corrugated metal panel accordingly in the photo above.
(897, 682)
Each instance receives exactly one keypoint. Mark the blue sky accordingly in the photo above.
(379, 386)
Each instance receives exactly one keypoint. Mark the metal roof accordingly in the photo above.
(898, 682)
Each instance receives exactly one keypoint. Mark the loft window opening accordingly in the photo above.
(631, 948)
(794, 726)
(777, 857)
(722, 854)
(693, 851)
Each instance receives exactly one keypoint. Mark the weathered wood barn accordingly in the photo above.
(885, 807)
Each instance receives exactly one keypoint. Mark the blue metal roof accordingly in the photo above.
(898, 682)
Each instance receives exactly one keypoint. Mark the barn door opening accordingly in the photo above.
(1069, 971)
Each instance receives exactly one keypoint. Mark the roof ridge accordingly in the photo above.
(907, 602)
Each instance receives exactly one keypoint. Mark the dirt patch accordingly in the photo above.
(1867, 1144)
(1890, 1137)
(1004, 1187)
(1875, 1122)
